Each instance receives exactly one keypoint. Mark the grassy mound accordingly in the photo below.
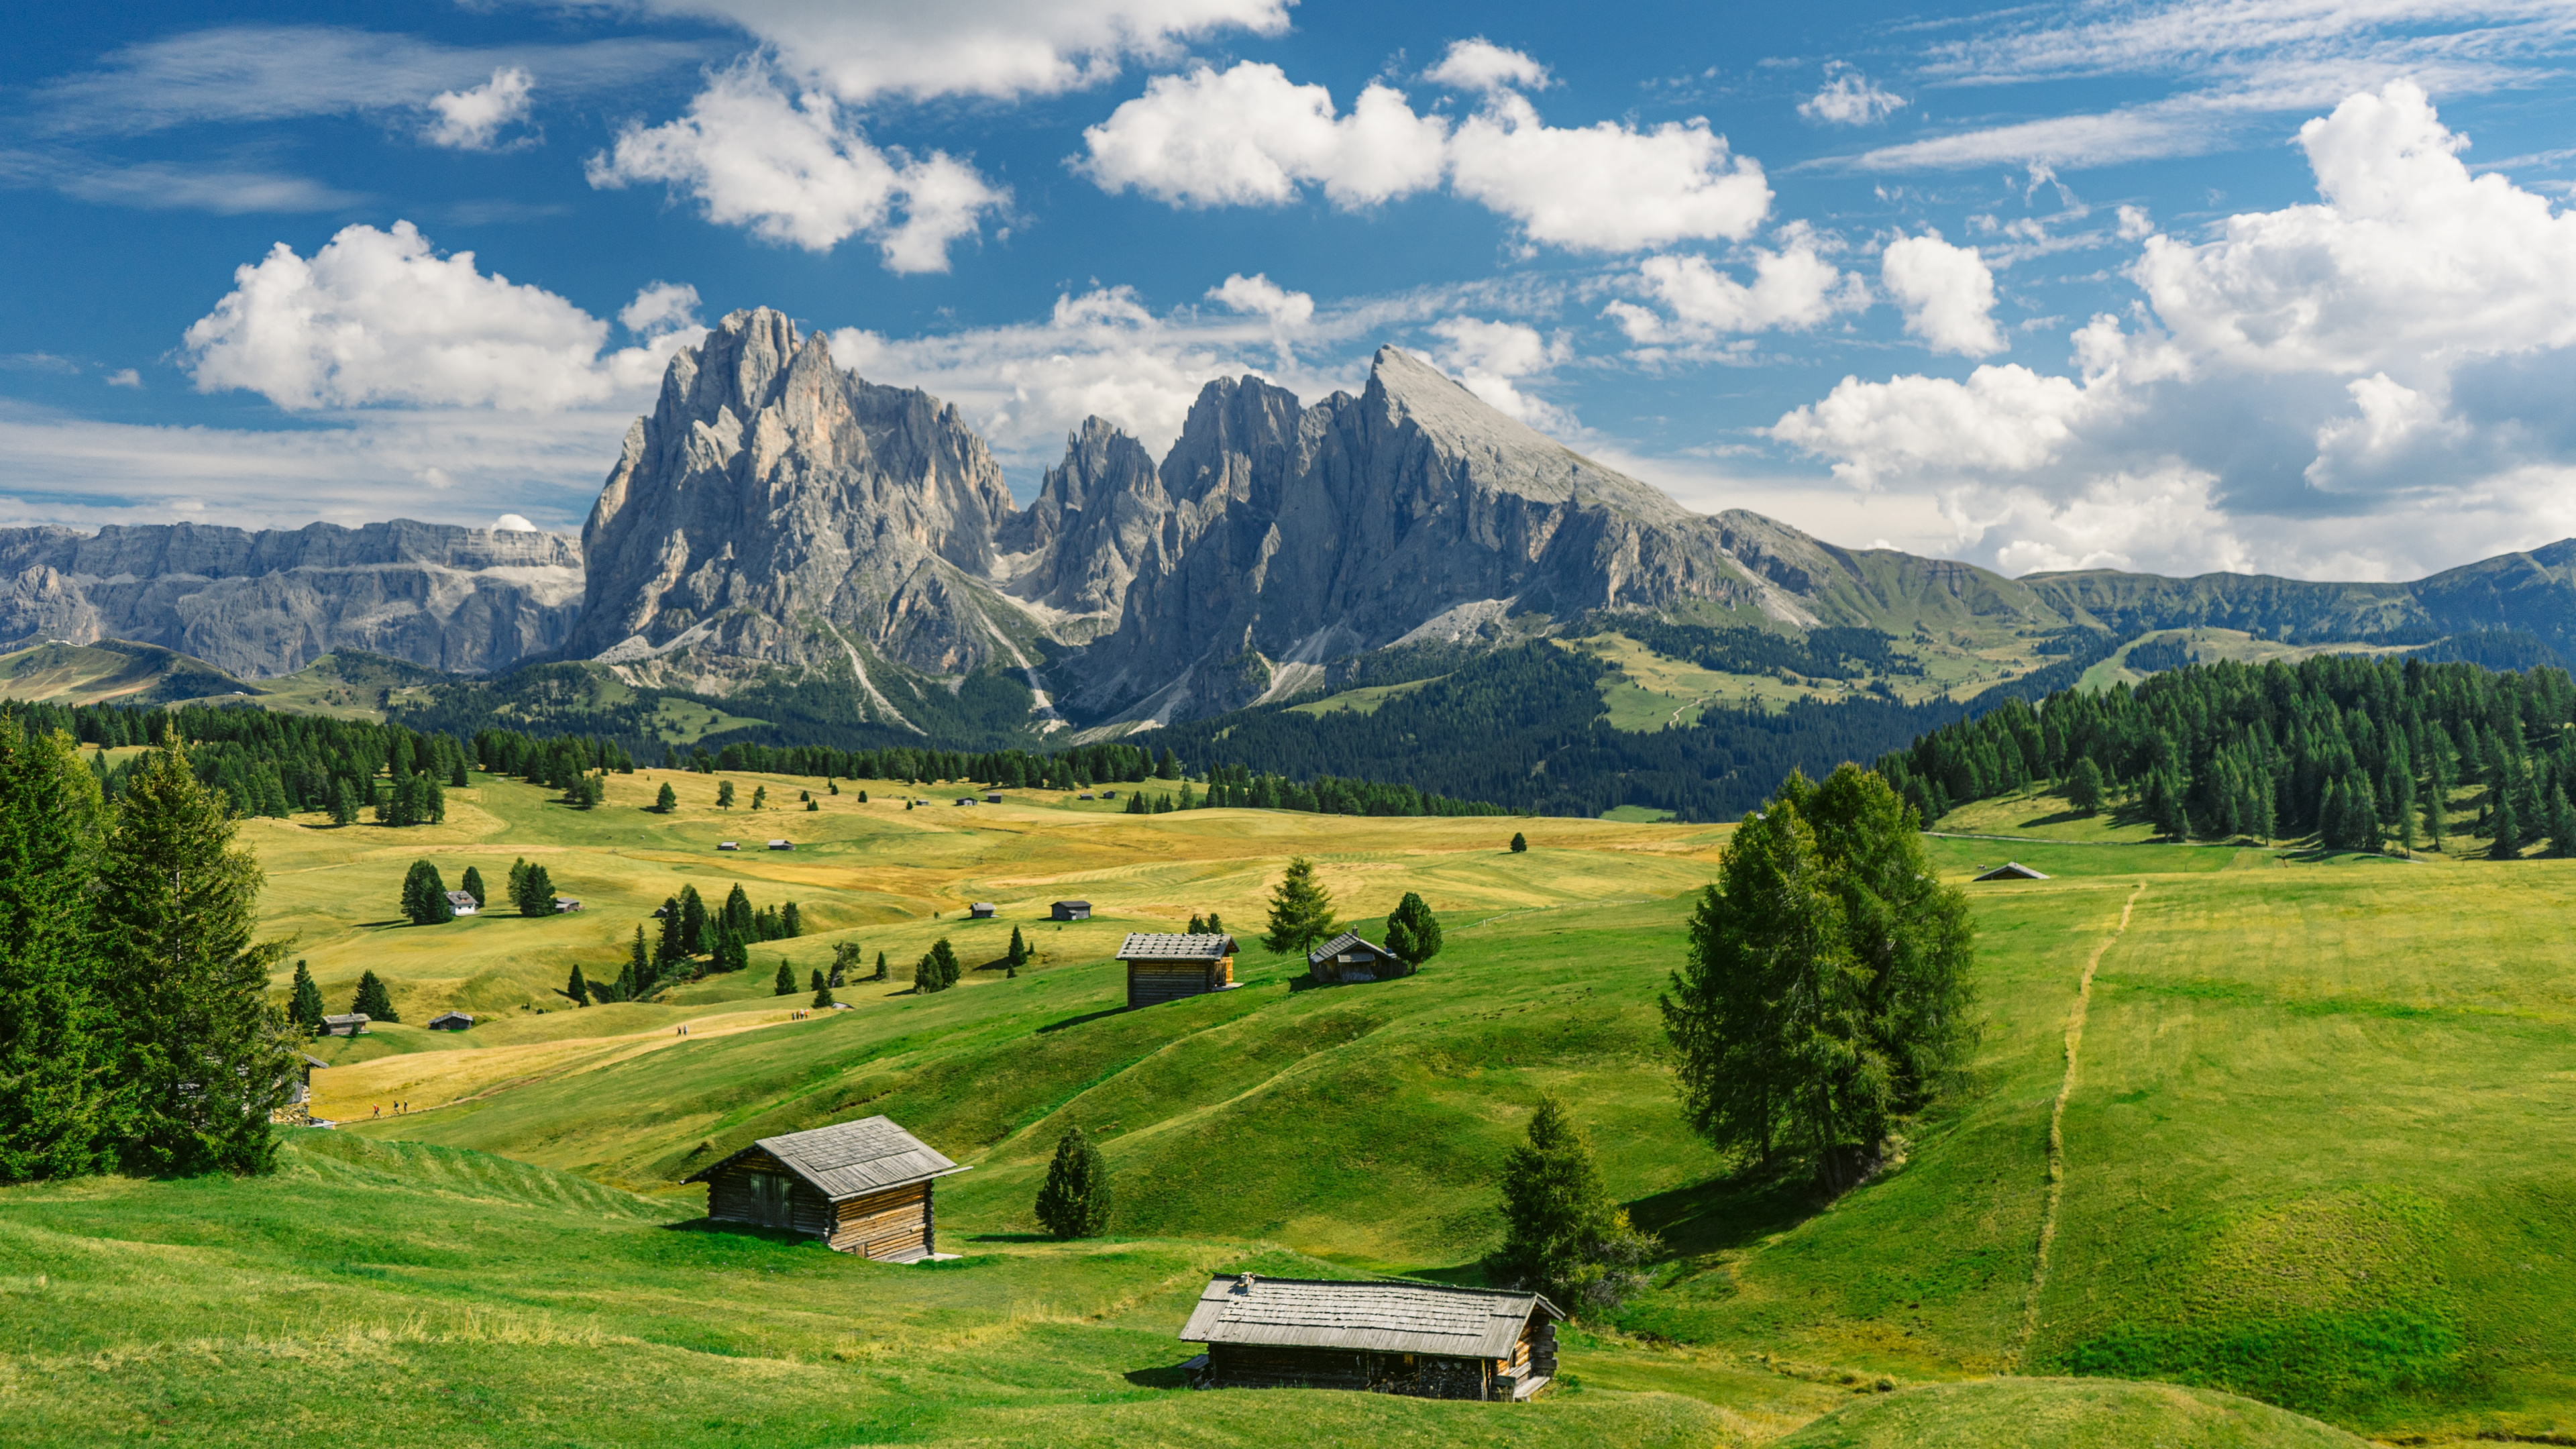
(2064, 1414)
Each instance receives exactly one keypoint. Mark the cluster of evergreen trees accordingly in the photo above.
(136, 1031)
(265, 763)
(694, 941)
(2358, 752)
(1826, 991)
(938, 968)
(1828, 653)
(1239, 787)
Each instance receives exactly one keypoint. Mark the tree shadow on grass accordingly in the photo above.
(1735, 1211)
(1079, 1020)
(1171, 1376)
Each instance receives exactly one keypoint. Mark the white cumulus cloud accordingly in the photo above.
(471, 120)
(659, 309)
(1480, 65)
(1493, 358)
(513, 523)
(1850, 98)
(1793, 288)
(1946, 293)
(1250, 136)
(379, 317)
(795, 171)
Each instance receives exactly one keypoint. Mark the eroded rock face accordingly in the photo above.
(775, 510)
(267, 603)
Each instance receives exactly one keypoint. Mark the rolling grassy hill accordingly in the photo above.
(2308, 1117)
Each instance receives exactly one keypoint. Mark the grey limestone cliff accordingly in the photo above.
(267, 603)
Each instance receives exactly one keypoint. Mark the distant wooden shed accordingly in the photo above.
(566, 905)
(862, 1187)
(993, 799)
(451, 1021)
(782, 845)
(1424, 1339)
(1350, 957)
(351, 1023)
(980, 911)
(2012, 870)
(462, 903)
(1070, 910)
(1168, 967)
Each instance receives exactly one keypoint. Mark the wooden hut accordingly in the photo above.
(980, 911)
(2012, 870)
(1166, 968)
(782, 845)
(1424, 1339)
(1070, 910)
(352, 1023)
(862, 1187)
(1349, 957)
(462, 903)
(566, 905)
(451, 1021)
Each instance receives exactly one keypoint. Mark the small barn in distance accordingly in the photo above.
(1168, 967)
(980, 911)
(351, 1023)
(451, 1021)
(862, 1187)
(2012, 870)
(1348, 957)
(1424, 1339)
(1071, 910)
(462, 903)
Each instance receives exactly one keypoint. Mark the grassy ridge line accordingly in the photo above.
(2057, 1128)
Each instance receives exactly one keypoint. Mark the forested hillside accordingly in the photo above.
(2355, 751)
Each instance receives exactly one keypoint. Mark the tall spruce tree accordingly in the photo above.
(373, 1000)
(304, 1006)
(472, 885)
(639, 959)
(1301, 910)
(1075, 1201)
(2506, 842)
(822, 991)
(578, 988)
(57, 1061)
(693, 922)
(672, 948)
(786, 983)
(882, 974)
(1018, 954)
(2084, 788)
(1562, 1234)
(204, 1053)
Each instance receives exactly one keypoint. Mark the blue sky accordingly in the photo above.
(2273, 286)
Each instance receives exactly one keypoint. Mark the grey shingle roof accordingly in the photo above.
(1150, 946)
(848, 1159)
(1385, 1317)
(1343, 942)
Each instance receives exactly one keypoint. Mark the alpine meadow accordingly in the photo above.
(1231, 723)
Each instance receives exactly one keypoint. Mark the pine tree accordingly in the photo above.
(791, 922)
(1562, 1234)
(56, 1059)
(1018, 955)
(822, 993)
(942, 964)
(304, 1002)
(373, 1000)
(1075, 1201)
(724, 795)
(693, 922)
(1520, 842)
(539, 899)
(344, 803)
(205, 1058)
(738, 917)
(2084, 789)
(1216, 924)
(639, 960)
(1412, 932)
(786, 983)
(2507, 841)
(1301, 910)
(424, 900)
(882, 974)
(668, 800)
(472, 885)
(577, 988)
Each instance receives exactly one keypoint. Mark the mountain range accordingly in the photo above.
(779, 521)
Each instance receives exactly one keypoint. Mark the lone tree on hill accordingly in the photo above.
(2084, 788)
(1301, 910)
(760, 797)
(205, 1057)
(881, 968)
(532, 891)
(786, 983)
(1827, 985)
(667, 800)
(472, 885)
(822, 992)
(724, 795)
(1561, 1232)
(1412, 932)
(1075, 1201)
(424, 896)
(577, 988)
(1520, 842)
(304, 1003)
(938, 969)
(1018, 955)
(373, 1000)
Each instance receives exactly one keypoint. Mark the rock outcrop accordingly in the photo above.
(263, 604)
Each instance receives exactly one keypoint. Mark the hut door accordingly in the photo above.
(770, 1199)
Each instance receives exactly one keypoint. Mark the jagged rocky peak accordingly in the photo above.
(1073, 551)
(1495, 450)
(778, 509)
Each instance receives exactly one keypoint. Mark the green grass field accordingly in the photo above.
(2311, 1151)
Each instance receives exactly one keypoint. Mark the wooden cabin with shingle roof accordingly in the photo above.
(1353, 957)
(1428, 1340)
(1164, 968)
(862, 1187)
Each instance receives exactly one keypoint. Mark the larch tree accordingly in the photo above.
(205, 1054)
(1075, 1200)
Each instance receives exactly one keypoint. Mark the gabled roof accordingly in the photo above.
(1084, 904)
(359, 1017)
(464, 1016)
(462, 901)
(1151, 946)
(1384, 1317)
(848, 1159)
(2012, 870)
(1344, 942)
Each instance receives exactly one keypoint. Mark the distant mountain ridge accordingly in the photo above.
(778, 522)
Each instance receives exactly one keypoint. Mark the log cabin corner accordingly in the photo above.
(863, 1187)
